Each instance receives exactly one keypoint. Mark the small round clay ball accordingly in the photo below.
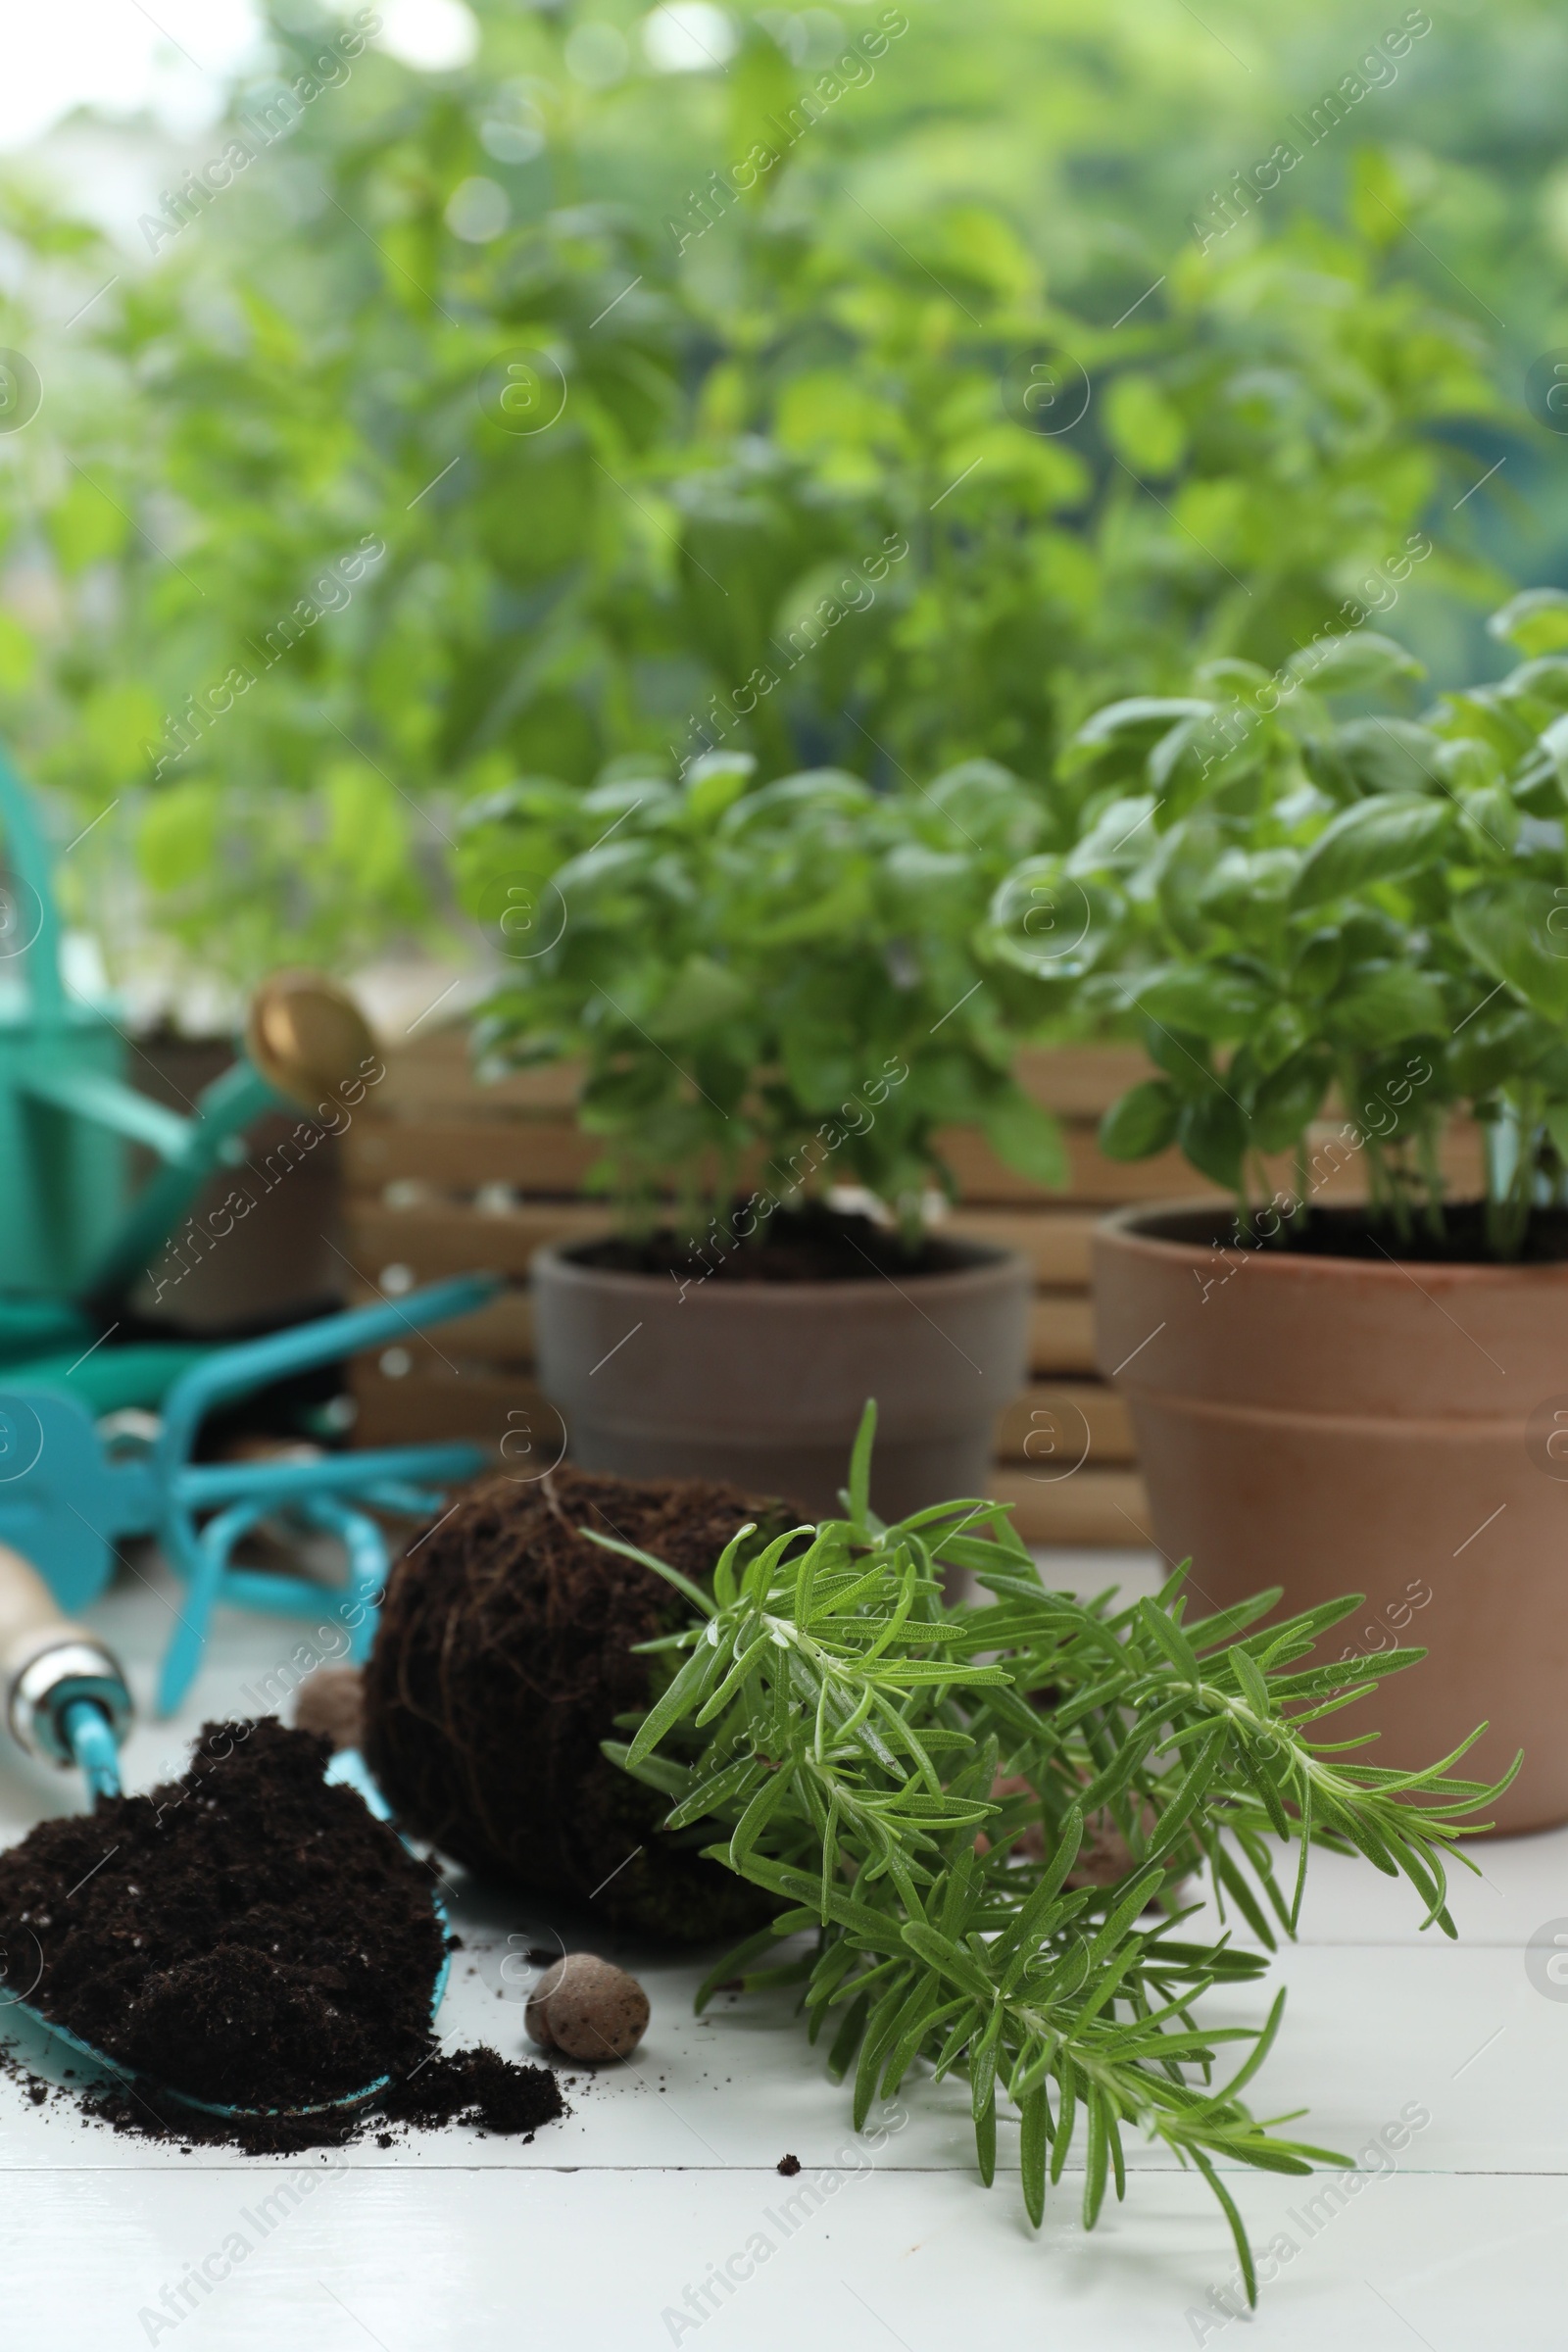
(587, 2009)
(333, 1703)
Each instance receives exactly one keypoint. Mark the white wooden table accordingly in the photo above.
(654, 2214)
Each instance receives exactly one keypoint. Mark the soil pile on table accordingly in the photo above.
(476, 2088)
(248, 1936)
(505, 1657)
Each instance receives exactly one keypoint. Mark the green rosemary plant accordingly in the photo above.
(843, 1729)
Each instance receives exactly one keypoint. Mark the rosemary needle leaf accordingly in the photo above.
(973, 1812)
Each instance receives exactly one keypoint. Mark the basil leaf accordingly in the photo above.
(1374, 841)
(1379, 1005)
(1213, 1133)
(1519, 932)
(1209, 1000)
(1142, 1123)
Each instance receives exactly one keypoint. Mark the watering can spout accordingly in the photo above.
(309, 1039)
(307, 1046)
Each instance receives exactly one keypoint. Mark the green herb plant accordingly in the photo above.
(792, 974)
(880, 342)
(841, 1728)
(1306, 904)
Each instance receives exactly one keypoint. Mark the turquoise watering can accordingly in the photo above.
(70, 1237)
(73, 1242)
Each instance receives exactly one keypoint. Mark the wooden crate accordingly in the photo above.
(443, 1175)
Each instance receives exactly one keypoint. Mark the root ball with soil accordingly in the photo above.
(506, 1655)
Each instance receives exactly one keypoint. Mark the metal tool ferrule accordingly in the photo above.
(39, 1691)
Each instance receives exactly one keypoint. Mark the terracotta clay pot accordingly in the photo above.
(763, 1384)
(1339, 1425)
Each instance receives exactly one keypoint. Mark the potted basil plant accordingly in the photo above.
(1340, 934)
(774, 993)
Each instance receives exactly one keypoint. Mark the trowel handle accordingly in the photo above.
(47, 1664)
(30, 1614)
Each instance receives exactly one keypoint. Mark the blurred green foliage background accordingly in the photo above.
(996, 317)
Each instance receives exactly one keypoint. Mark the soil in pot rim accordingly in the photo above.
(504, 1657)
(813, 1243)
(1354, 1232)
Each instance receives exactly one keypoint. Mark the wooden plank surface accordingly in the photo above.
(1057, 1422)
(1095, 1507)
(501, 1410)
(1046, 1427)
(439, 1237)
(501, 1333)
(1091, 1177)
(1080, 1081)
(549, 1157)
(1101, 1504)
(1056, 1241)
(434, 1074)
(1061, 1330)
(458, 1154)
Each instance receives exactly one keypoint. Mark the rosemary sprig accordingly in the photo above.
(843, 1729)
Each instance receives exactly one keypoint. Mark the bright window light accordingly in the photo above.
(688, 36)
(109, 55)
(434, 35)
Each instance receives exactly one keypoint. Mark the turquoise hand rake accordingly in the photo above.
(66, 1501)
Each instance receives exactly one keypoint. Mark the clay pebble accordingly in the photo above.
(587, 2008)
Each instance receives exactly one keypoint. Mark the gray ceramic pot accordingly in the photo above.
(763, 1383)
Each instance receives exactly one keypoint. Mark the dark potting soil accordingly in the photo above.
(477, 2088)
(246, 1935)
(814, 1243)
(1355, 1233)
(503, 1659)
(1352, 1233)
